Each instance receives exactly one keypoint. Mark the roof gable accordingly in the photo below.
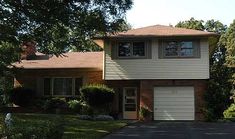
(160, 31)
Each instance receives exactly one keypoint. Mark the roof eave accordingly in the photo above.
(154, 36)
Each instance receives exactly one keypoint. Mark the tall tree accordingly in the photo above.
(218, 92)
(229, 41)
(229, 38)
(191, 24)
(56, 25)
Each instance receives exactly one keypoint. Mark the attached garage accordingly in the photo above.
(174, 103)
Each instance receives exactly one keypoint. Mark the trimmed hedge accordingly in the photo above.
(96, 95)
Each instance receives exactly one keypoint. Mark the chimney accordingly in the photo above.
(28, 50)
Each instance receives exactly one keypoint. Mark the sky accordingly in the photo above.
(170, 12)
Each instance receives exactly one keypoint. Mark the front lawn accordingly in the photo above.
(73, 127)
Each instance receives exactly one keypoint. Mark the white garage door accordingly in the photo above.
(174, 103)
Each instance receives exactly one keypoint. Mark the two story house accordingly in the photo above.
(161, 67)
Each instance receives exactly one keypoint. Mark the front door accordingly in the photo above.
(129, 103)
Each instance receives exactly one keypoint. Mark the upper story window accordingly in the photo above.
(178, 49)
(132, 49)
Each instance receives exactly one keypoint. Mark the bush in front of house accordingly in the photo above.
(144, 113)
(21, 96)
(35, 129)
(96, 95)
(55, 103)
(230, 112)
(75, 105)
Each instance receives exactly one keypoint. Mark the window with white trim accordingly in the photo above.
(62, 86)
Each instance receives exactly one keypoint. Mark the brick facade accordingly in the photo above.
(145, 90)
(28, 78)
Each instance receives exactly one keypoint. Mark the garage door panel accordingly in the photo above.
(174, 109)
(184, 94)
(174, 114)
(174, 98)
(175, 118)
(174, 103)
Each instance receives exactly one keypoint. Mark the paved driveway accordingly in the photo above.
(176, 130)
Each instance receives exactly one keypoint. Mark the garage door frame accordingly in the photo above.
(194, 102)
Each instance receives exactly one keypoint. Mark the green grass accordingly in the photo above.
(74, 128)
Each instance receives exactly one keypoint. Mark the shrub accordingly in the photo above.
(87, 110)
(55, 103)
(35, 129)
(230, 112)
(75, 105)
(144, 112)
(96, 95)
(21, 96)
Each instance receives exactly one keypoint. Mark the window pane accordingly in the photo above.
(130, 92)
(124, 49)
(130, 107)
(171, 49)
(78, 85)
(138, 49)
(62, 86)
(47, 86)
(186, 49)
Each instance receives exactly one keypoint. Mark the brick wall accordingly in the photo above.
(29, 78)
(146, 92)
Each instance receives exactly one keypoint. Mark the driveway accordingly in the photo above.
(175, 130)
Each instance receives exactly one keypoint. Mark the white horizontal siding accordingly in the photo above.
(174, 103)
(155, 68)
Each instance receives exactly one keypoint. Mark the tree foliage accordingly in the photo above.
(191, 24)
(57, 25)
(219, 85)
(229, 41)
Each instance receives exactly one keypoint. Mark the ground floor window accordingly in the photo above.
(62, 86)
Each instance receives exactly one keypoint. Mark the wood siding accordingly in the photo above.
(155, 68)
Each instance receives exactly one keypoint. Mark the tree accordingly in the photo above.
(218, 91)
(229, 38)
(229, 41)
(57, 25)
(215, 26)
(191, 24)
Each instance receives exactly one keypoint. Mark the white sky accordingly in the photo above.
(165, 12)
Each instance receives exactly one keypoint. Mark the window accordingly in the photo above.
(180, 49)
(131, 49)
(62, 86)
